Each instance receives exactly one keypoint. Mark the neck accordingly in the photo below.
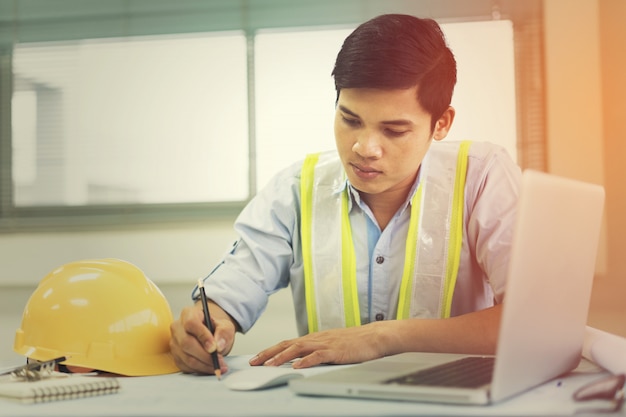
(386, 204)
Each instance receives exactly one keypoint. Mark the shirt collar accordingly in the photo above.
(341, 186)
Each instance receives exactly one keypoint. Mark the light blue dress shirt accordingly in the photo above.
(268, 255)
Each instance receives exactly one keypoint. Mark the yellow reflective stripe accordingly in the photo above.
(348, 267)
(306, 224)
(456, 229)
(406, 287)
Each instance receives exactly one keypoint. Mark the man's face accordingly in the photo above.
(382, 137)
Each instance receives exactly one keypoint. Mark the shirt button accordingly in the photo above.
(380, 260)
(380, 316)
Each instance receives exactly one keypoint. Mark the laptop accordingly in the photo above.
(544, 312)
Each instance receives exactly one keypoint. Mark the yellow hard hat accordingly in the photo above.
(102, 314)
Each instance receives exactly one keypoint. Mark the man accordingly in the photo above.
(396, 242)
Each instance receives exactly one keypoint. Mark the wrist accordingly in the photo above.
(388, 337)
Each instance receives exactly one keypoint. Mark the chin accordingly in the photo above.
(365, 188)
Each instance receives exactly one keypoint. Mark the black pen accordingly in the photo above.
(209, 325)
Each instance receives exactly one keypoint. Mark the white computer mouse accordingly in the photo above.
(260, 377)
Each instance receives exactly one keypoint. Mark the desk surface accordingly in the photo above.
(192, 395)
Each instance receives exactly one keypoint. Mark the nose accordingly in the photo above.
(368, 146)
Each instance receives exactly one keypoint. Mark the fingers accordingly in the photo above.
(315, 358)
(191, 343)
(191, 364)
(303, 352)
(277, 354)
(336, 346)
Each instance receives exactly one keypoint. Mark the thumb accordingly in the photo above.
(224, 336)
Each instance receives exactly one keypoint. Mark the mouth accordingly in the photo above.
(365, 172)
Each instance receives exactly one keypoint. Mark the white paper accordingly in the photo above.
(605, 349)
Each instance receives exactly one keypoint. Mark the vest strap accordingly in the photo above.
(433, 246)
(306, 194)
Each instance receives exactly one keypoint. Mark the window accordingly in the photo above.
(295, 95)
(116, 113)
(130, 121)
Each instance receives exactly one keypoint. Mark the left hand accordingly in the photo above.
(336, 346)
(475, 332)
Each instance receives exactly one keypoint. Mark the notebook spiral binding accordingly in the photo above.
(97, 386)
(37, 382)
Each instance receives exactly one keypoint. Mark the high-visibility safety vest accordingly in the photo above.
(433, 246)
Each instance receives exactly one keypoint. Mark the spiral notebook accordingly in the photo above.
(58, 388)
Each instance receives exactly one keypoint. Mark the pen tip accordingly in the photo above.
(200, 283)
(218, 374)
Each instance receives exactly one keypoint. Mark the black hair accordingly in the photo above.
(397, 51)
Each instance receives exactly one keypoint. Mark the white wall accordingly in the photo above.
(166, 255)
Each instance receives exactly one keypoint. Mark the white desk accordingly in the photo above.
(190, 395)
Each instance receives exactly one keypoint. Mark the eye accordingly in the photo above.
(395, 133)
(351, 122)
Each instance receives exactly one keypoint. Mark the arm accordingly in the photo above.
(469, 333)
(239, 286)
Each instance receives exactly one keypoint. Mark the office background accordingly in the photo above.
(584, 98)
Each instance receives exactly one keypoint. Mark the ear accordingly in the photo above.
(442, 127)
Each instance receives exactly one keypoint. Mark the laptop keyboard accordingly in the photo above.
(469, 372)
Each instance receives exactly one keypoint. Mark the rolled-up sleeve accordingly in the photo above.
(260, 261)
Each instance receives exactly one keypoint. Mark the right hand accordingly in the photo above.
(192, 343)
